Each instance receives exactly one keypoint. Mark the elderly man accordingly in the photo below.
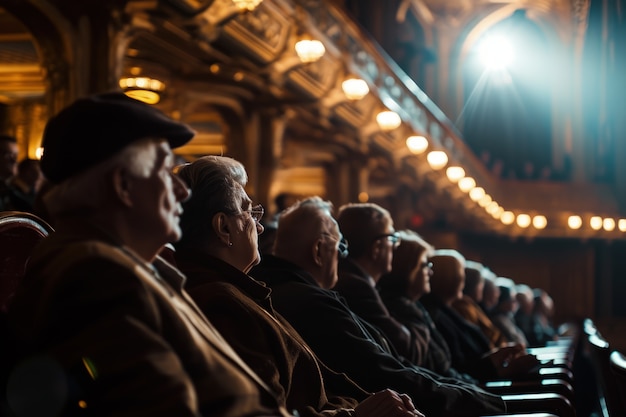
(301, 275)
(368, 228)
(102, 324)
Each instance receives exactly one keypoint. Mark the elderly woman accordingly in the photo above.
(220, 227)
(401, 290)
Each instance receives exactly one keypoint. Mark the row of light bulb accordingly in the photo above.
(456, 174)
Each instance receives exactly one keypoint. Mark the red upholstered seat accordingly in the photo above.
(20, 232)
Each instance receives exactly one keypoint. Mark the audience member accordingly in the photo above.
(491, 293)
(102, 324)
(470, 348)
(302, 294)
(524, 315)
(469, 307)
(369, 229)
(8, 168)
(543, 313)
(219, 246)
(503, 314)
(401, 289)
(24, 185)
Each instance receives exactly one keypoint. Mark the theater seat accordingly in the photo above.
(618, 368)
(20, 232)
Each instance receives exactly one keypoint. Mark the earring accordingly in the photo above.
(230, 244)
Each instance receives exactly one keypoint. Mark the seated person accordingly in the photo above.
(102, 325)
(25, 184)
(221, 228)
(524, 315)
(470, 349)
(306, 233)
(503, 313)
(469, 305)
(401, 289)
(491, 293)
(369, 229)
(543, 312)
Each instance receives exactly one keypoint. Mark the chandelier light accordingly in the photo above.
(466, 184)
(455, 173)
(507, 217)
(143, 89)
(497, 212)
(417, 144)
(574, 222)
(484, 201)
(608, 224)
(540, 222)
(355, 88)
(621, 225)
(492, 207)
(310, 50)
(437, 159)
(388, 120)
(595, 222)
(523, 220)
(247, 5)
(477, 193)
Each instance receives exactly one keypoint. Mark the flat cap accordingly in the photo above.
(94, 128)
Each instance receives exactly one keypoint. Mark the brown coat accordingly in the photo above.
(241, 309)
(125, 337)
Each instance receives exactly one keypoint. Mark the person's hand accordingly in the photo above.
(387, 403)
(512, 360)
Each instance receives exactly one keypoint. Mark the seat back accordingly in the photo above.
(610, 402)
(617, 362)
(20, 232)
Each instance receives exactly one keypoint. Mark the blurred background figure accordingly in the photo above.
(25, 184)
(401, 290)
(470, 349)
(469, 307)
(543, 329)
(8, 168)
(524, 315)
(491, 293)
(503, 313)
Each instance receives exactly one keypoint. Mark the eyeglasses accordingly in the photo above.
(342, 245)
(426, 265)
(394, 238)
(256, 212)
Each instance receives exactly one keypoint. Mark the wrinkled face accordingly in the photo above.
(245, 228)
(491, 294)
(330, 255)
(157, 195)
(8, 159)
(477, 294)
(386, 243)
(419, 279)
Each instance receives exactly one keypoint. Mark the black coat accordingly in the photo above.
(343, 342)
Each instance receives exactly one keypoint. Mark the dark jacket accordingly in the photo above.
(342, 340)
(124, 336)
(241, 309)
(358, 288)
(435, 354)
(466, 341)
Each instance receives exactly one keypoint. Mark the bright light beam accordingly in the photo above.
(496, 53)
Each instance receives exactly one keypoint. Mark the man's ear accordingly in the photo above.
(122, 185)
(316, 250)
(221, 227)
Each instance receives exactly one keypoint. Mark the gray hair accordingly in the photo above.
(214, 182)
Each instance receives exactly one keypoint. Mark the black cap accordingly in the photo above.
(94, 128)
